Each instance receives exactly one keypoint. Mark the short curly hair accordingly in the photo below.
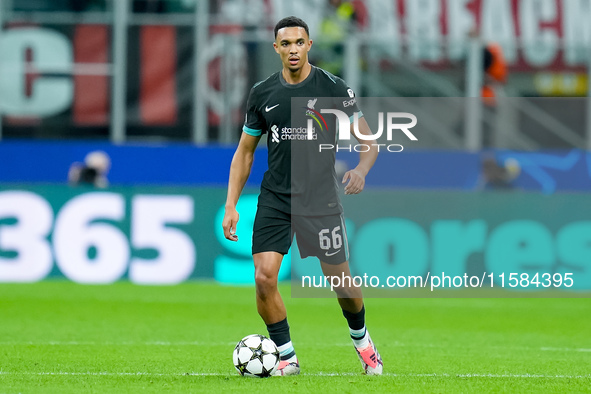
(291, 21)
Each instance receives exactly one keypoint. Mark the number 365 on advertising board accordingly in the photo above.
(87, 241)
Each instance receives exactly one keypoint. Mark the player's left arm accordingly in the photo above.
(356, 176)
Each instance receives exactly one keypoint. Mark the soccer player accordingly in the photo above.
(305, 206)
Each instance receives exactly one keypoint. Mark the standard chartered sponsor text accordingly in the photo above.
(297, 133)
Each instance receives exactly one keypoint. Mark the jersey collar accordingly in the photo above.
(297, 85)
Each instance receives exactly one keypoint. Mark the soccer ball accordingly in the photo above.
(256, 356)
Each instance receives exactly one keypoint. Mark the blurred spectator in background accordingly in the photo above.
(494, 77)
(495, 176)
(495, 73)
(337, 24)
(93, 172)
(495, 70)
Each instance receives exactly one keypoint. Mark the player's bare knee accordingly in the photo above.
(265, 280)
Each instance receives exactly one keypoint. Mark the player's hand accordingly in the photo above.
(356, 182)
(229, 224)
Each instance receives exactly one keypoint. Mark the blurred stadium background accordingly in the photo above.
(500, 88)
(118, 122)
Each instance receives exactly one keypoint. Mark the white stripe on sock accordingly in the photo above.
(360, 343)
(286, 348)
(357, 333)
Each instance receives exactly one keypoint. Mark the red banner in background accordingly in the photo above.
(535, 34)
(45, 85)
(91, 45)
(158, 95)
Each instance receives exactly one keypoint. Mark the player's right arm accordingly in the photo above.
(239, 173)
(254, 124)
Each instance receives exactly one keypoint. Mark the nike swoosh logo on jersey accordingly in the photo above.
(331, 254)
(267, 109)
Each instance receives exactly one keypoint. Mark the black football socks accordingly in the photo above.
(279, 333)
(357, 328)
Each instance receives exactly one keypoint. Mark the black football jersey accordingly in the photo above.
(301, 179)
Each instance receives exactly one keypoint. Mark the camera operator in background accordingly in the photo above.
(93, 172)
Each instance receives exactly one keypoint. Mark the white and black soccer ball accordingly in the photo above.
(256, 356)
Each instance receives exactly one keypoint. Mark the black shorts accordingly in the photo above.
(324, 237)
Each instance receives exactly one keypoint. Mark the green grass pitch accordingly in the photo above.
(61, 337)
